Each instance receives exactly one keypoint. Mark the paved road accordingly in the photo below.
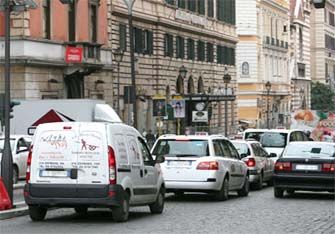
(258, 213)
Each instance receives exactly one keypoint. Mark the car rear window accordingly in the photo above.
(175, 148)
(253, 135)
(274, 139)
(309, 150)
(242, 148)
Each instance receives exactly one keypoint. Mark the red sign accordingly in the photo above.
(73, 54)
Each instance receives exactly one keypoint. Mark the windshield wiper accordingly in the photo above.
(186, 155)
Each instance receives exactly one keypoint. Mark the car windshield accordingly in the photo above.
(2, 142)
(274, 139)
(175, 148)
(253, 135)
(242, 148)
(309, 151)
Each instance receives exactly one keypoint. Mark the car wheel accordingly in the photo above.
(259, 184)
(290, 191)
(37, 213)
(121, 213)
(15, 175)
(81, 210)
(244, 191)
(279, 193)
(222, 195)
(270, 182)
(158, 206)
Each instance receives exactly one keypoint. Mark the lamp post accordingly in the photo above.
(302, 98)
(182, 74)
(7, 161)
(268, 88)
(118, 56)
(130, 4)
(226, 80)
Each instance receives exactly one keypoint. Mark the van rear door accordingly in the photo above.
(54, 158)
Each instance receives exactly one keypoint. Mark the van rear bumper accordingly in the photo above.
(60, 195)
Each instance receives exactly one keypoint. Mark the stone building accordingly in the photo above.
(300, 54)
(40, 39)
(262, 56)
(323, 44)
(169, 34)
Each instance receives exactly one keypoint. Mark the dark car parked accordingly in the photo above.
(308, 166)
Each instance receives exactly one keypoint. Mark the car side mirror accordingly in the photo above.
(22, 149)
(243, 155)
(273, 155)
(160, 159)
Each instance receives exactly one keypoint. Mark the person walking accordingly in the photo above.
(150, 137)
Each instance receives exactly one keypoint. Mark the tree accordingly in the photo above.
(322, 97)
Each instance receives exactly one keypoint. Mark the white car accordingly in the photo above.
(85, 164)
(20, 146)
(259, 162)
(208, 164)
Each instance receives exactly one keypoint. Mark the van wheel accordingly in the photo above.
(37, 213)
(222, 195)
(279, 193)
(81, 210)
(121, 213)
(15, 174)
(158, 206)
(244, 191)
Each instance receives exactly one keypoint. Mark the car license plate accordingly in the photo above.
(52, 173)
(307, 167)
(179, 163)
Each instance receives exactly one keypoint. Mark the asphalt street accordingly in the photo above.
(260, 212)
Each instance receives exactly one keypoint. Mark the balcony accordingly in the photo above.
(91, 51)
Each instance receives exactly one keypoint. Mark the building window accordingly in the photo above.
(210, 52)
(329, 42)
(190, 85)
(220, 54)
(143, 40)
(171, 2)
(191, 5)
(182, 4)
(168, 45)
(226, 10)
(201, 88)
(331, 19)
(301, 44)
(93, 22)
(201, 51)
(72, 21)
(190, 49)
(301, 70)
(138, 40)
(123, 37)
(201, 7)
(210, 8)
(180, 47)
(46, 19)
(245, 68)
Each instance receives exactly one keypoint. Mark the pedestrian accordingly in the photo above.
(150, 137)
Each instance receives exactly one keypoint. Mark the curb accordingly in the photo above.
(22, 209)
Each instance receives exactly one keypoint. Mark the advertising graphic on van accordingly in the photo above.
(58, 141)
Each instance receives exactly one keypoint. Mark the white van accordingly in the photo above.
(87, 164)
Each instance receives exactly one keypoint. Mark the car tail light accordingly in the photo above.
(283, 166)
(29, 164)
(251, 162)
(208, 166)
(328, 167)
(112, 165)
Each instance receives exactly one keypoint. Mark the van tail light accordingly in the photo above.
(283, 166)
(251, 162)
(112, 165)
(212, 165)
(328, 167)
(29, 164)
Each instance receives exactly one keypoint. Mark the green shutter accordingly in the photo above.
(150, 42)
(170, 45)
(210, 8)
(209, 52)
(182, 47)
(182, 4)
(123, 37)
(191, 5)
(220, 9)
(138, 40)
(201, 7)
(190, 49)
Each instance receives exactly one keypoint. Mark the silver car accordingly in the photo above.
(208, 164)
(258, 161)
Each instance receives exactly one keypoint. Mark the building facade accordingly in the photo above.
(323, 44)
(41, 44)
(300, 54)
(263, 56)
(169, 34)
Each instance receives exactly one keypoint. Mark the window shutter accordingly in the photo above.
(210, 8)
(192, 5)
(170, 45)
(150, 42)
(190, 49)
(182, 43)
(201, 7)
(181, 4)
(123, 37)
(209, 52)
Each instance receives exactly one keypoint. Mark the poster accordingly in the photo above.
(178, 106)
(159, 107)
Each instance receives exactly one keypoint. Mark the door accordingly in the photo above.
(20, 155)
(259, 157)
(229, 163)
(149, 172)
(269, 164)
(239, 165)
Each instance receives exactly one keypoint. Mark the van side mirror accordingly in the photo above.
(160, 159)
(273, 155)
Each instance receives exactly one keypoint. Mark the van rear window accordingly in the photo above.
(174, 148)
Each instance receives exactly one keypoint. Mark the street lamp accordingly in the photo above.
(182, 71)
(118, 56)
(268, 88)
(302, 98)
(180, 86)
(226, 80)
(7, 161)
(130, 4)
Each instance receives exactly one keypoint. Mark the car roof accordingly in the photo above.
(312, 143)
(244, 141)
(190, 137)
(272, 130)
